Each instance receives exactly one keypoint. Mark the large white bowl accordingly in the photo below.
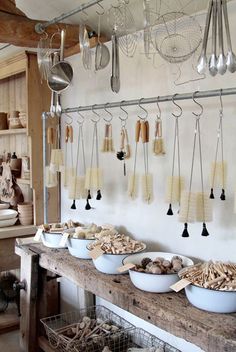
(154, 282)
(52, 240)
(78, 247)
(6, 214)
(211, 300)
(9, 222)
(109, 263)
(4, 205)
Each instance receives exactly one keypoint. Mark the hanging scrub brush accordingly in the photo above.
(219, 168)
(125, 151)
(175, 183)
(77, 182)
(147, 180)
(51, 178)
(107, 145)
(57, 159)
(133, 184)
(66, 171)
(93, 178)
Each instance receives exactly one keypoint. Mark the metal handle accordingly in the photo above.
(221, 43)
(63, 35)
(206, 32)
(214, 26)
(224, 5)
(19, 285)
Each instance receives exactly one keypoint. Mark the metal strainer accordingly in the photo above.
(176, 36)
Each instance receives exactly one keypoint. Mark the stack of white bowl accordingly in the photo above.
(8, 217)
(25, 211)
(23, 119)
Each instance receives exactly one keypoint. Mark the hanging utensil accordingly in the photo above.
(221, 61)
(202, 61)
(147, 32)
(50, 177)
(230, 56)
(158, 143)
(175, 183)
(102, 54)
(219, 171)
(125, 150)
(115, 78)
(61, 73)
(133, 184)
(213, 59)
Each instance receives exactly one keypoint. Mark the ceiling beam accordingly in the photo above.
(9, 6)
(20, 31)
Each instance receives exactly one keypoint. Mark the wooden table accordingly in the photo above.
(170, 312)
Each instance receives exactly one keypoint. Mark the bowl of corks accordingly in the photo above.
(155, 271)
(212, 286)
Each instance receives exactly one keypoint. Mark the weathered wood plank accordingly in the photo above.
(169, 311)
(9, 6)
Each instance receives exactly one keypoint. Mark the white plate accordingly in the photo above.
(7, 214)
(9, 222)
(4, 205)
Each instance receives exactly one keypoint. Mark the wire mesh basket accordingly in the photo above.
(64, 334)
(139, 339)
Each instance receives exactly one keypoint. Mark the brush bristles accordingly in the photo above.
(51, 178)
(203, 208)
(128, 152)
(66, 175)
(93, 179)
(175, 185)
(56, 160)
(77, 188)
(147, 188)
(187, 207)
(107, 146)
(133, 186)
(218, 174)
(158, 146)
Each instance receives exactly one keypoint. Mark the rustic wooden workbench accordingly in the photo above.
(171, 312)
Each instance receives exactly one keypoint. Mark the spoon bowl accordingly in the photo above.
(102, 56)
(231, 61)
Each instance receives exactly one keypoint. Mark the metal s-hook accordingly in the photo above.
(95, 113)
(146, 112)
(123, 120)
(221, 103)
(159, 109)
(102, 8)
(108, 112)
(80, 122)
(196, 102)
(178, 106)
(71, 119)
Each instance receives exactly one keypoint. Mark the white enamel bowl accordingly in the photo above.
(78, 247)
(153, 282)
(109, 263)
(4, 205)
(211, 300)
(6, 214)
(52, 240)
(8, 222)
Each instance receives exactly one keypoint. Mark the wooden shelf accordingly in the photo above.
(169, 311)
(9, 320)
(17, 231)
(13, 131)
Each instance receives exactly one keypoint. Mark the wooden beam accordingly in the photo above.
(20, 31)
(9, 6)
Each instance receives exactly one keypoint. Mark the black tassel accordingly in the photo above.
(89, 194)
(87, 206)
(222, 196)
(169, 212)
(212, 194)
(185, 232)
(73, 205)
(99, 195)
(124, 169)
(204, 230)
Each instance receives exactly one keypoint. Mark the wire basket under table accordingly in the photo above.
(56, 326)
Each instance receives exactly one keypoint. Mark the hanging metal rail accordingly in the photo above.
(40, 27)
(160, 99)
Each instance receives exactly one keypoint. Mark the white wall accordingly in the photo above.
(149, 222)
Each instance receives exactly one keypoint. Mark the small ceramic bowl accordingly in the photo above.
(156, 283)
(78, 247)
(52, 240)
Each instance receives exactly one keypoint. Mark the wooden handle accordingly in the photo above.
(147, 131)
(137, 131)
(67, 132)
(50, 135)
(159, 128)
(144, 131)
(122, 140)
(71, 134)
(107, 129)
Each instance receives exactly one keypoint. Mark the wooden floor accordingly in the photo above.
(9, 333)
(10, 342)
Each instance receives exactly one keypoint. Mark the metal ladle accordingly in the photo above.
(202, 61)
(213, 59)
(61, 73)
(102, 54)
(230, 56)
(221, 62)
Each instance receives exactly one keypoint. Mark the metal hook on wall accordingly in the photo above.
(82, 117)
(221, 102)
(108, 112)
(159, 109)
(200, 105)
(102, 8)
(95, 113)
(123, 120)
(146, 112)
(178, 106)
(70, 119)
